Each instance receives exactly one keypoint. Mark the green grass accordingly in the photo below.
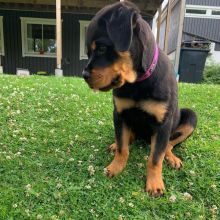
(53, 135)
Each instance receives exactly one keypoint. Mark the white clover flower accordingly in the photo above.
(120, 217)
(16, 131)
(15, 205)
(188, 214)
(54, 217)
(88, 187)
(39, 216)
(214, 209)
(61, 212)
(130, 204)
(121, 200)
(27, 212)
(172, 198)
(192, 172)
(57, 150)
(91, 170)
(213, 186)
(71, 159)
(105, 171)
(91, 156)
(28, 186)
(140, 165)
(145, 157)
(92, 211)
(187, 196)
(59, 185)
(100, 123)
(18, 153)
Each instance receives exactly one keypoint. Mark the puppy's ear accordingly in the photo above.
(147, 41)
(120, 28)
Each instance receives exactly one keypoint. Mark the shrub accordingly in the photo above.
(212, 73)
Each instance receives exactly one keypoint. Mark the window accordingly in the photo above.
(200, 11)
(214, 12)
(195, 11)
(2, 45)
(38, 37)
(83, 49)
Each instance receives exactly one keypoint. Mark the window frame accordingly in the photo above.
(29, 20)
(2, 53)
(208, 9)
(83, 24)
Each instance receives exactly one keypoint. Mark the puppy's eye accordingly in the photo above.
(101, 50)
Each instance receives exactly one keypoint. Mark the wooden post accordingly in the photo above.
(158, 24)
(180, 33)
(58, 71)
(166, 42)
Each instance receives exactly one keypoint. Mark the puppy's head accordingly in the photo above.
(114, 47)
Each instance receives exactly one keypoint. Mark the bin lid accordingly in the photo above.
(195, 49)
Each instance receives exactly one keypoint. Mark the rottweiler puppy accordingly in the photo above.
(123, 56)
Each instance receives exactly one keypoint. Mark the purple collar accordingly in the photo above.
(151, 68)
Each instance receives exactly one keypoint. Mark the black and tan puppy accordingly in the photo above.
(123, 56)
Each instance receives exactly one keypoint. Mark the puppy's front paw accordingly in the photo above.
(114, 168)
(155, 186)
(173, 160)
(112, 148)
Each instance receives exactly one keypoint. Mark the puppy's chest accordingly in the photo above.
(149, 106)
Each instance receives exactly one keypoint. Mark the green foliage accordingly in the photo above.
(212, 73)
(53, 138)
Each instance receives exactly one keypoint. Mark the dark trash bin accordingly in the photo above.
(192, 63)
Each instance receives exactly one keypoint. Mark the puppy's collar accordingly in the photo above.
(152, 67)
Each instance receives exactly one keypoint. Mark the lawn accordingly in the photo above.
(53, 138)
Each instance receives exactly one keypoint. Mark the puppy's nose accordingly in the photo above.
(85, 74)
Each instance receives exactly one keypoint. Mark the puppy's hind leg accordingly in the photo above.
(187, 124)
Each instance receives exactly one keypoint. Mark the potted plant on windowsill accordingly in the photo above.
(41, 52)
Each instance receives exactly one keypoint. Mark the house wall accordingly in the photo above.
(214, 54)
(13, 59)
(13, 44)
(203, 27)
(206, 28)
(213, 57)
(204, 2)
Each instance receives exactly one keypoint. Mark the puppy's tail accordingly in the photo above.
(186, 126)
(188, 116)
